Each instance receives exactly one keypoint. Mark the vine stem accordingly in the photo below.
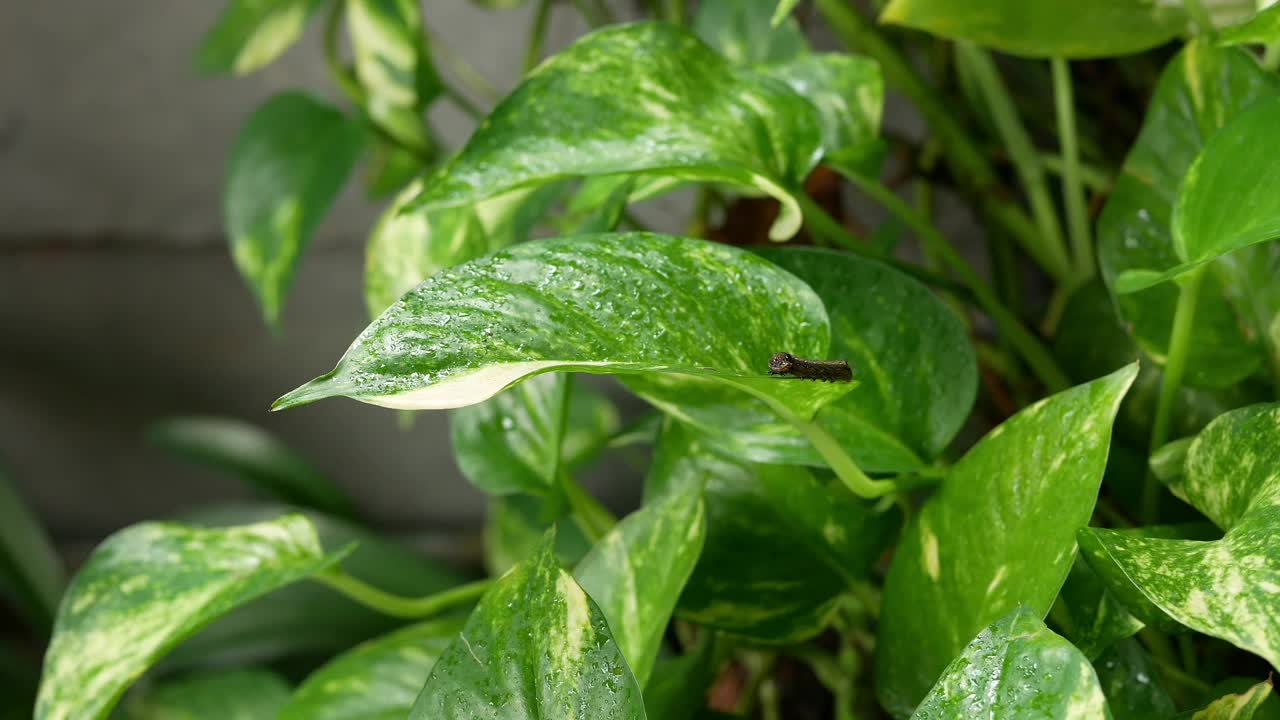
(1020, 338)
(1201, 16)
(1184, 316)
(397, 605)
(1072, 180)
(1051, 250)
(537, 34)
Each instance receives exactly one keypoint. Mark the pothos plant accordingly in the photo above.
(1054, 493)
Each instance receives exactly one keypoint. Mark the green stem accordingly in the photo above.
(593, 519)
(399, 606)
(1092, 177)
(673, 11)
(1201, 16)
(967, 161)
(463, 103)
(465, 72)
(342, 75)
(1027, 345)
(1184, 316)
(1026, 160)
(537, 34)
(1072, 182)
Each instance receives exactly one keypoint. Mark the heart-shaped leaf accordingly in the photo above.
(535, 648)
(1000, 534)
(1225, 203)
(1016, 668)
(1235, 706)
(32, 575)
(249, 453)
(648, 97)
(744, 32)
(378, 680)
(635, 573)
(510, 443)
(1046, 28)
(149, 586)
(390, 53)
(1261, 28)
(1130, 683)
(781, 547)
(238, 694)
(1227, 588)
(289, 161)
(250, 34)
(1200, 91)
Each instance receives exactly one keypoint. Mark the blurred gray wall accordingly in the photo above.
(119, 303)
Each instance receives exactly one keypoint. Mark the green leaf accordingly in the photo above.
(250, 34)
(1016, 668)
(407, 248)
(1131, 684)
(32, 575)
(509, 443)
(644, 98)
(290, 159)
(1261, 28)
(745, 31)
(389, 48)
(848, 92)
(606, 215)
(1046, 28)
(282, 625)
(1225, 588)
(1241, 706)
(635, 573)
(226, 695)
(249, 453)
(536, 647)
(149, 586)
(515, 523)
(1200, 91)
(780, 548)
(1097, 619)
(1224, 204)
(677, 690)
(1000, 534)
(783, 11)
(378, 680)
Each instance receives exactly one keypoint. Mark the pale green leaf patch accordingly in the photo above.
(1262, 28)
(1235, 706)
(250, 34)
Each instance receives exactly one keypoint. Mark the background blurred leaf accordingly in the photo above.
(228, 695)
(32, 575)
(251, 34)
(744, 32)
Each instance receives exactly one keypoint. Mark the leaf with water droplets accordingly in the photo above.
(1016, 668)
(641, 98)
(1200, 91)
(1227, 588)
(535, 648)
(377, 680)
(149, 586)
(1000, 534)
(237, 694)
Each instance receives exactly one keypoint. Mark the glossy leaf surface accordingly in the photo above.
(1000, 534)
(149, 586)
(535, 647)
(289, 161)
(378, 680)
(249, 453)
(647, 97)
(1016, 668)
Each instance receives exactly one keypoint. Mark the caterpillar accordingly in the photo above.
(824, 370)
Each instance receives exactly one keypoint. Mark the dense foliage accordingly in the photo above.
(1054, 493)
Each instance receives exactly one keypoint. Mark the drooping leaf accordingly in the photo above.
(1016, 668)
(536, 647)
(251, 34)
(1225, 203)
(1000, 534)
(1130, 683)
(508, 443)
(585, 304)
(1200, 91)
(389, 45)
(149, 586)
(1047, 28)
(1262, 28)
(378, 680)
(249, 453)
(644, 98)
(32, 575)
(1227, 588)
(514, 524)
(636, 572)
(781, 547)
(1097, 619)
(281, 625)
(1237, 706)
(745, 33)
(224, 695)
(289, 161)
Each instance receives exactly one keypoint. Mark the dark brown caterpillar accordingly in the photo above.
(824, 370)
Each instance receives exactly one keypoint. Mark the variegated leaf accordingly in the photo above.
(251, 33)
(1236, 706)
